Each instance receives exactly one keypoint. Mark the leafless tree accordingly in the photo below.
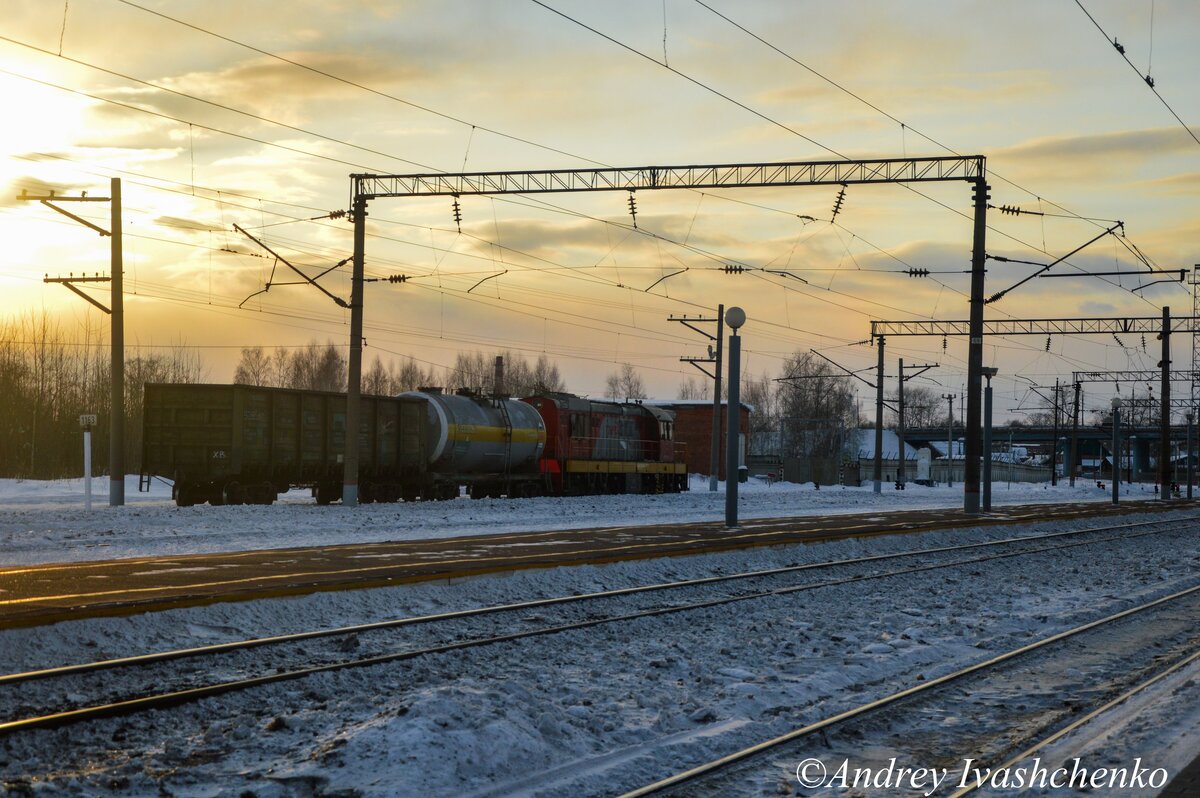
(691, 388)
(923, 408)
(48, 378)
(625, 384)
(816, 408)
(254, 367)
(317, 368)
(376, 381)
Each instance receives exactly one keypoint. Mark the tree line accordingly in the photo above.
(317, 367)
(48, 379)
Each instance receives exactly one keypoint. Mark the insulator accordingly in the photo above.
(731, 268)
(457, 215)
(837, 203)
(1143, 342)
(1047, 343)
(633, 208)
(944, 342)
(918, 272)
(398, 278)
(337, 215)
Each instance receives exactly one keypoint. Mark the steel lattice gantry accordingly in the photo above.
(1129, 376)
(970, 169)
(798, 173)
(1069, 326)
(1165, 326)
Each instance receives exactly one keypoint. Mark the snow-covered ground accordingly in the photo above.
(45, 521)
(581, 713)
(584, 713)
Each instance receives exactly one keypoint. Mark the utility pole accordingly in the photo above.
(900, 425)
(949, 397)
(879, 418)
(116, 443)
(1074, 434)
(1116, 448)
(1164, 434)
(354, 384)
(714, 460)
(1054, 441)
(116, 450)
(975, 349)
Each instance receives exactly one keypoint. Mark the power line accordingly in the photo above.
(1147, 79)
(903, 124)
(213, 103)
(363, 87)
(781, 125)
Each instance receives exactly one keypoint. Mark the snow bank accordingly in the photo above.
(44, 521)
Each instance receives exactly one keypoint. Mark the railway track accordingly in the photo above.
(55, 701)
(1011, 702)
(37, 594)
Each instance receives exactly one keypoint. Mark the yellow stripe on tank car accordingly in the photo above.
(623, 467)
(472, 432)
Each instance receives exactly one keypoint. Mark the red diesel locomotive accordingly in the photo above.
(608, 447)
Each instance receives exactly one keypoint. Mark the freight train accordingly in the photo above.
(236, 444)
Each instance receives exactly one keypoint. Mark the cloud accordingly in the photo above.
(189, 224)
(269, 86)
(1123, 144)
(1185, 183)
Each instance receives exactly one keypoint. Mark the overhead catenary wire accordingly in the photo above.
(539, 145)
(770, 119)
(1147, 78)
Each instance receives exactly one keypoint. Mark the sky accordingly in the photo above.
(255, 113)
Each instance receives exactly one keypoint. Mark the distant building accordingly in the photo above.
(693, 429)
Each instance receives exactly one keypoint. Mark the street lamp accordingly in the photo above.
(735, 317)
(1116, 448)
(1190, 418)
(988, 372)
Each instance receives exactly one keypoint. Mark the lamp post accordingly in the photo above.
(735, 317)
(1190, 419)
(988, 373)
(1116, 447)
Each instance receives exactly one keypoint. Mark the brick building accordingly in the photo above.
(693, 430)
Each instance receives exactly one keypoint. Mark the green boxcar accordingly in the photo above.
(233, 444)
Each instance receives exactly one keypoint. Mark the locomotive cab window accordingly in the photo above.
(664, 429)
(578, 426)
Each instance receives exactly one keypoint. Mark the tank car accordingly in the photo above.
(492, 445)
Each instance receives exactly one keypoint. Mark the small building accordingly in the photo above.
(1006, 466)
(693, 431)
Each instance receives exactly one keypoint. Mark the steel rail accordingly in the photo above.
(159, 701)
(295, 637)
(1002, 516)
(718, 764)
(1063, 732)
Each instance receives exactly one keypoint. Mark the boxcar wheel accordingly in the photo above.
(232, 493)
(185, 496)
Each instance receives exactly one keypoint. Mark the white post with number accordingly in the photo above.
(87, 421)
